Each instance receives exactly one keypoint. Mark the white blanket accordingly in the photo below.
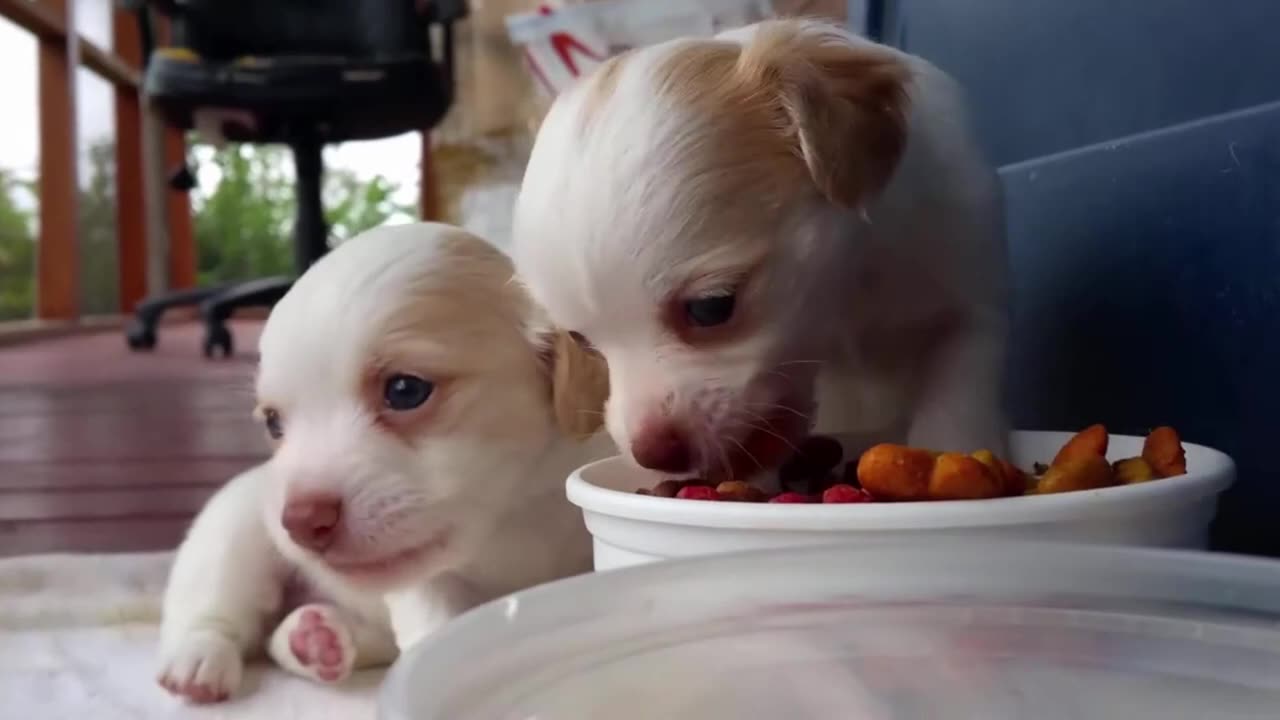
(78, 637)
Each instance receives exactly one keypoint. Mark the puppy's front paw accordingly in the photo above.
(315, 642)
(202, 667)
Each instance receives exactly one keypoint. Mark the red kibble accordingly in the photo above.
(698, 492)
(791, 497)
(845, 494)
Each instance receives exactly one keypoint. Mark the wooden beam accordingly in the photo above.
(58, 257)
(47, 22)
(41, 18)
(110, 67)
(428, 183)
(182, 244)
(131, 211)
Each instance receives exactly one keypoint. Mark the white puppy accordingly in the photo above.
(745, 223)
(424, 422)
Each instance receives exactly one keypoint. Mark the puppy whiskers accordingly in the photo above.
(778, 406)
(748, 453)
(767, 429)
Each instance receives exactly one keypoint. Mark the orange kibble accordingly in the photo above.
(1089, 472)
(739, 491)
(1133, 470)
(1012, 480)
(1089, 442)
(961, 477)
(896, 472)
(1164, 453)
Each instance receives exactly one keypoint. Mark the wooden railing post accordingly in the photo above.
(58, 256)
(131, 220)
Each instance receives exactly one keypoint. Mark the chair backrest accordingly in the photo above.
(1147, 291)
(365, 29)
(1045, 76)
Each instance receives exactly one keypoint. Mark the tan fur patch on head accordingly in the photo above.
(579, 386)
(800, 90)
(598, 87)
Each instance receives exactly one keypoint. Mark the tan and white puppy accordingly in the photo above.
(745, 224)
(424, 421)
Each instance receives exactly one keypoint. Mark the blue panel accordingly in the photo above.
(1046, 76)
(1147, 276)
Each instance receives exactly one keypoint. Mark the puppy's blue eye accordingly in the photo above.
(710, 311)
(405, 392)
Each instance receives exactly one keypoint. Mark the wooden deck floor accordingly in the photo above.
(106, 450)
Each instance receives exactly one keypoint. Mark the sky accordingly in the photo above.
(394, 158)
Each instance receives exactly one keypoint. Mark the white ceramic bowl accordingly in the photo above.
(630, 529)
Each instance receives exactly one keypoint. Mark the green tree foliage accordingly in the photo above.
(244, 228)
(243, 225)
(99, 251)
(17, 247)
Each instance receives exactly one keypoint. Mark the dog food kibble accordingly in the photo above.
(818, 473)
(961, 477)
(698, 492)
(739, 491)
(1133, 470)
(896, 472)
(791, 498)
(1163, 452)
(1090, 442)
(844, 494)
(1089, 472)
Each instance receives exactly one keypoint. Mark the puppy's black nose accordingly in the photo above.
(312, 522)
(662, 447)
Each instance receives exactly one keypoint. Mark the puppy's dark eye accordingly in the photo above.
(275, 426)
(710, 311)
(405, 392)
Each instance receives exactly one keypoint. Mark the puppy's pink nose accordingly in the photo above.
(312, 522)
(662, 447)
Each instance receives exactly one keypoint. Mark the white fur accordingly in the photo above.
(612, 222)
(482, 462)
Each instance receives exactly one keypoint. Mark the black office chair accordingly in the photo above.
(308, 72)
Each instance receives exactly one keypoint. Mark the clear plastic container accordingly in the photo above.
(902, 630)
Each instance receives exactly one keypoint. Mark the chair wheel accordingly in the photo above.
(217, 339)
(140, 336)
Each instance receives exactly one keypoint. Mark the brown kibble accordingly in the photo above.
(739, 491)
(668, 488)
(1133, 470)
(1089, 472)
(896, 472)
(1163, 451)
(1089, 442)
(961, 477)
(1012, 480)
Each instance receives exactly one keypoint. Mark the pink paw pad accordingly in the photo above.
(318, 647)
(198, 693)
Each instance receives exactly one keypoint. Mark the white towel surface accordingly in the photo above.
(78, 640)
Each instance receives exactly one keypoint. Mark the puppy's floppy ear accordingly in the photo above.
(579, 384)
(845, 101)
